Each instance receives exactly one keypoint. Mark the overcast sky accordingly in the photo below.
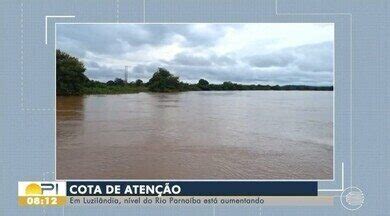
(269, 53)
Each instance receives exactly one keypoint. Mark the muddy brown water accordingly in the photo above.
(196, 135)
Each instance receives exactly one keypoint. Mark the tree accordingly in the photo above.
(277, 87)
(163, 81)
(139, 82)
(203, 84)
(110, 82)
(227, 85)
(70, 74)
(119, 81)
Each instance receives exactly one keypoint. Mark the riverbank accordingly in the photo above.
(131, 89)
(125, 89)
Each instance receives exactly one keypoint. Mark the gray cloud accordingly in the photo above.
(193, 52)
(188, 59)
(279, 59)
(311, 57)
(315, 57)
(118, 39)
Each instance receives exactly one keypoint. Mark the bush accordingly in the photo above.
(119, 81)
(203, 84)
(163, 81)
(139, 82)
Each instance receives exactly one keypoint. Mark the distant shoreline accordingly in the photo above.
(135, 91)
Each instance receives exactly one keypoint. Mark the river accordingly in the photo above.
(196, 135)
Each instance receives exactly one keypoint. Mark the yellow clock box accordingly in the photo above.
(43, 193)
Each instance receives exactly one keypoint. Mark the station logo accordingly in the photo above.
(42, 193)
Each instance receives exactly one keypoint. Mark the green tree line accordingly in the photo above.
(71, 80)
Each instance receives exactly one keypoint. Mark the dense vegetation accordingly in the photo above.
(163, 81)
(72, 81)
(70, 75)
